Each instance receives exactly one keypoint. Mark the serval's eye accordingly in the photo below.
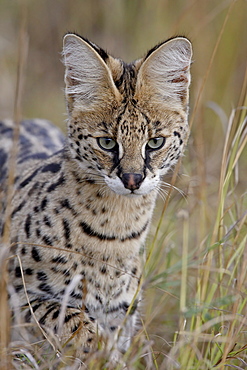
(107, 143)
(155, 143)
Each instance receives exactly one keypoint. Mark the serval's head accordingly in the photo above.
(127, 123)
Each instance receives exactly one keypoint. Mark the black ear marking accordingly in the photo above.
(161, 43)
(104, 55)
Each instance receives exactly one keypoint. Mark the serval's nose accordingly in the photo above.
(132, 181)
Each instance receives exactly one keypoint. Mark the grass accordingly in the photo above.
(210, 276)
(195, 283)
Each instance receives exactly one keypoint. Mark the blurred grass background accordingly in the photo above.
(198, 252)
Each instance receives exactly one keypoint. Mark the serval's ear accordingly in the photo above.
(164, 74)
(88, 79)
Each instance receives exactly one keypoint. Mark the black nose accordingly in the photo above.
(132, 181)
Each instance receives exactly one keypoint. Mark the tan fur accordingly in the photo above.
(80, 217)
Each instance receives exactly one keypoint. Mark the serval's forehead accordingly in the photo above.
(132, 123)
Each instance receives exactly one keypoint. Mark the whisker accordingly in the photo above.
(162, 193)
(167, 185)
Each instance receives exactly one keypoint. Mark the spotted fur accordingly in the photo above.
(83, 206)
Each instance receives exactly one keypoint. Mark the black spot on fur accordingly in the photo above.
(3, 160)
(70, 316)
(103, 269)
(52, 167)
(75, 328)
(134, 271)
(29, 178)
(98, 298)
(38, 232)
(27, 225)
(43, 204)
(90, 181)
(117, 273)
(35, 254)
(17, 209)
(89, 231)
(36, 306)
(18, 272)
(41, 276)
(47, 221)
(66, 204)
(36, 209)
(66, 228)
(45, 288)
(33, 188)
(76, 295)
(59, 259)
(59, 182)
(49, 309)
(18, 288)
(47, 240)
(55, 315)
